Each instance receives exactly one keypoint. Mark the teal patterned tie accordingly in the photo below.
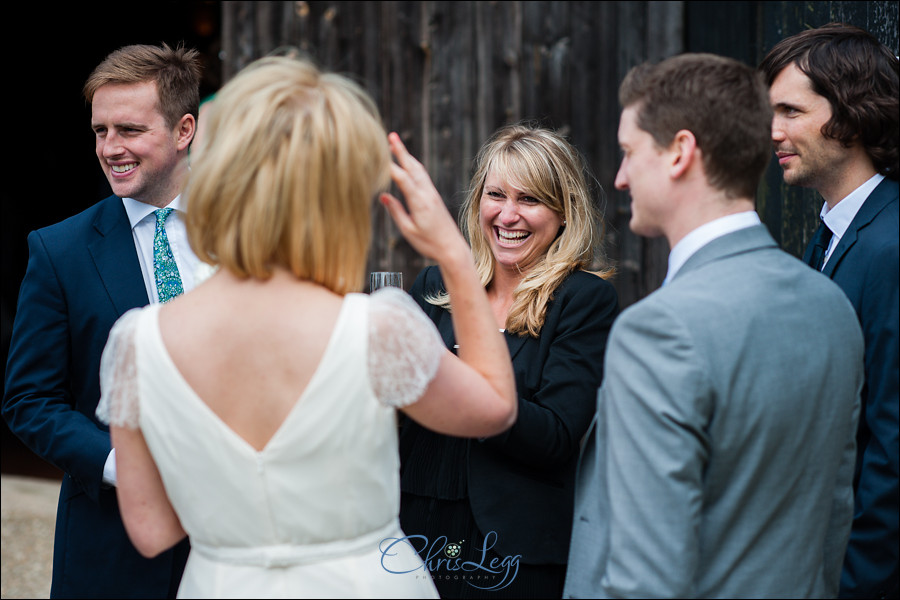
(168, 281)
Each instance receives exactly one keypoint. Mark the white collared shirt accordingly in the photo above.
(704, 234)
(838, 219)
(143, 227)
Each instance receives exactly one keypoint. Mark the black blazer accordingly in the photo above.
(82, 275)
(521, 483)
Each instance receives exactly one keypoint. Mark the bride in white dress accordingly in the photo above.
(256, 414)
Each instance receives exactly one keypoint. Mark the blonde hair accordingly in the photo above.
(548, 167)
(285, 175)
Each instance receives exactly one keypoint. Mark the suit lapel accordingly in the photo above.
(445, 328)
(116, 258)
(514, 342)
(846, 242)
(874, 204)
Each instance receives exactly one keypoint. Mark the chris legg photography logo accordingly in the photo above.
(444, 556)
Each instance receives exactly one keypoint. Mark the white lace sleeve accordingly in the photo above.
(118, 375)
(405, 348)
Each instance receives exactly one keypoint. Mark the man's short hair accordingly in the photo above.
(858, 76)
(723, 102)
(176, 73)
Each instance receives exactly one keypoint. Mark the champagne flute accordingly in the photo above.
(380, 279)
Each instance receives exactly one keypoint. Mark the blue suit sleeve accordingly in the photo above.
(38, 403)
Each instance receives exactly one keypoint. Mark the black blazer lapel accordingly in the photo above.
(445, 327)
(515, 343)
(116, 258)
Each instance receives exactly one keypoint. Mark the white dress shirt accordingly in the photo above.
(143, 227)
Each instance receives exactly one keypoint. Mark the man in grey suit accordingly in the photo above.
(721, 458)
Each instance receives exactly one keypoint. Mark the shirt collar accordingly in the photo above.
(838, 219)
(704, 234)
(137, 211)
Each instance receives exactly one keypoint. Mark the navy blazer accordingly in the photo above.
(82, 275)
(865, 265)
(521, 483)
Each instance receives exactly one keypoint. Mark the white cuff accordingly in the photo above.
(109, 469)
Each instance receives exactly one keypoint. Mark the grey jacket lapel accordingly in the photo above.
(748, 239)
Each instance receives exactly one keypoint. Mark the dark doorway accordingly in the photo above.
(52, 172)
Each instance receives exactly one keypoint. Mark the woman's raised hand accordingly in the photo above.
(425, 221)
(474, 393)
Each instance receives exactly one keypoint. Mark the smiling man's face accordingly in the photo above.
(138, 151)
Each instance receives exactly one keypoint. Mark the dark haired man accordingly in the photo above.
(721, 458)
(82, 275)
(835, 94)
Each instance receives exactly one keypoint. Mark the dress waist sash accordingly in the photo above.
(289, 555)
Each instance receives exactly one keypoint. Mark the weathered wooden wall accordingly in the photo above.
(447, 74)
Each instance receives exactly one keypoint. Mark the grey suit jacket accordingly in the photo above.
(721, 458)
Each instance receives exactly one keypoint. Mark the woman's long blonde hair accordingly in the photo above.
(285, 175)
(548, 167)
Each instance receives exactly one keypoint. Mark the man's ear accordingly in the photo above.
(185, 131)
(683, 152)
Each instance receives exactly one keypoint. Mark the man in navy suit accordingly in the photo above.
(835, 95)
(82, 275)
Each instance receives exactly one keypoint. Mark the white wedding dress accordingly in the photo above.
(314, 514)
